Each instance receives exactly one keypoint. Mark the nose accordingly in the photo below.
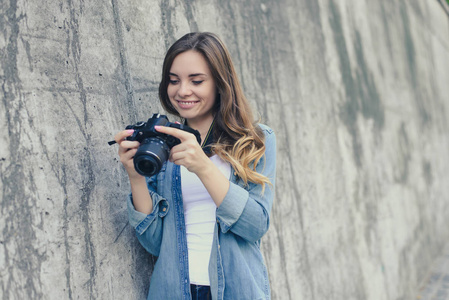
(184, 90)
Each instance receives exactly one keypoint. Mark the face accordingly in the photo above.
(191, 88)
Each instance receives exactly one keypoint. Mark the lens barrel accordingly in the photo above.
(150, 156)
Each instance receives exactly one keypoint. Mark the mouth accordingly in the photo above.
(186, 104)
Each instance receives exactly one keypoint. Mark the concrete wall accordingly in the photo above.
(357, 92)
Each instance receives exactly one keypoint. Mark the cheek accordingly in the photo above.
(171, 91)
(212, 93)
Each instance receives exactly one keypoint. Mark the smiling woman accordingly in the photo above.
(192, 90)
(205, 212)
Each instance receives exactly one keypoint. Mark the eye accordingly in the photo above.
(173, 81)
(197, 82)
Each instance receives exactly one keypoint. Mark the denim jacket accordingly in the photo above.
(236, 266)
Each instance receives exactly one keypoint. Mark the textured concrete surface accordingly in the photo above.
(436, 284)
(357, 92)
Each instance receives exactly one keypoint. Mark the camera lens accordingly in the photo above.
(147, 165)
(150, 156)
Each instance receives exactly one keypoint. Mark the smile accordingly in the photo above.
(185, 104)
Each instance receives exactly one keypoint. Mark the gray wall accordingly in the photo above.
(357, 92)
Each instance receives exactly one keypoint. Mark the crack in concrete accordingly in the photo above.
(132, 115)
(362, 97)
(410, 51)
(188, 11)
(166, 26)
(88, 161)
(230, 20)
(22, 259)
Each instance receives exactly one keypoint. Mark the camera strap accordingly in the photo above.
(209, 139)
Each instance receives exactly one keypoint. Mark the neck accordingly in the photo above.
(201, 125)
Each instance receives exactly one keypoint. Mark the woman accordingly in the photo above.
(205, 212)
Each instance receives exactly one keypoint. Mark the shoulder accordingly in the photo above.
(267, 131)
(270, 138)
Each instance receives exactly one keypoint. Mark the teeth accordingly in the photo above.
(186, 103)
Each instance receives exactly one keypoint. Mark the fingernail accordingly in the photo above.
(157, 126)
(177, 122)
(130, 130)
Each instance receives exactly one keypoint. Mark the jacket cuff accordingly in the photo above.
(141, 221)
(232, 206)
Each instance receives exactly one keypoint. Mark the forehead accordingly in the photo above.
(189, 62)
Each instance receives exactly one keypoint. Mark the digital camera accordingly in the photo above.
(155, 146)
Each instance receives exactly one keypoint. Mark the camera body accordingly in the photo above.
(155, 146)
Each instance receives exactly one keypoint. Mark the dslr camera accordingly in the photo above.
(155, 146)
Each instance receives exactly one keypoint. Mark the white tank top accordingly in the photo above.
(199, 214)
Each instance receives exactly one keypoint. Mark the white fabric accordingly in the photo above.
(199, 214)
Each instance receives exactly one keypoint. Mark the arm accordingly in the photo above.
(190, 155)
(144, 205)
(246, 211)
(127, 149)
(149, 227)
(216, 184)
(141, 197)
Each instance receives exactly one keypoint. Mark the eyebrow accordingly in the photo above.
(190, 75)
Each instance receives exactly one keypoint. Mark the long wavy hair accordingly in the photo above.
(239, 140)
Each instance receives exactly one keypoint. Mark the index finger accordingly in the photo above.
(177, 133)
(120, 136)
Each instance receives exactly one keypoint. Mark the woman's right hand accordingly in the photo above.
(126, 151)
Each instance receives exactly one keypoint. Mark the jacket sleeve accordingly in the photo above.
(149, 227)
(245, 211)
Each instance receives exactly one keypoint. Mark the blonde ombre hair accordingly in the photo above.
(239, 140)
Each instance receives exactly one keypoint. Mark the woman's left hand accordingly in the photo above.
(189, 153)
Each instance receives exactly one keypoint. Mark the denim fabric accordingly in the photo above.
(200, 292)
(236, 266)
